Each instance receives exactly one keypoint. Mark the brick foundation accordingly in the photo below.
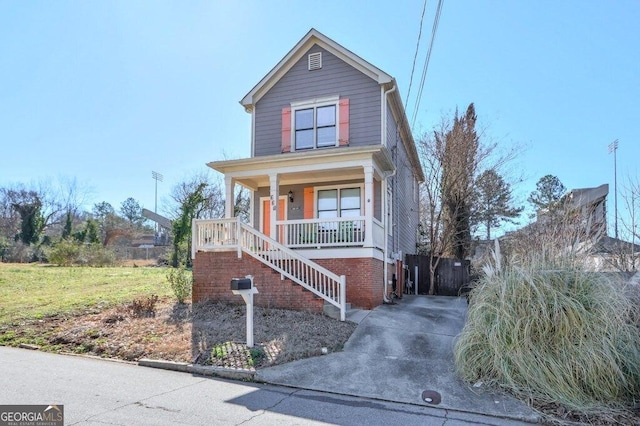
(213, 271)
(364, 279)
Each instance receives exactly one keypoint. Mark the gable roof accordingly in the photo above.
(315, 37)
(312, 37)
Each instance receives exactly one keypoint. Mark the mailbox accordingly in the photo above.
(240, 284)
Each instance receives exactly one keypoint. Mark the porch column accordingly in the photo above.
(229, 187)
(274, 197)
(368, 206)
(252, 205)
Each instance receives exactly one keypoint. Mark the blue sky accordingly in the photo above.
(107, 91)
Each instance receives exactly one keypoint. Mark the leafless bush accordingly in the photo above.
(559, 235)
(144, 307)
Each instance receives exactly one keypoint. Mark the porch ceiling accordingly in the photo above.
(342, 163)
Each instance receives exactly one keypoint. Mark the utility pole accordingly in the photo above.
(613, 147)
(157, 177)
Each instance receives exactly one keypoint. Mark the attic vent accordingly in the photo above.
(315, 61)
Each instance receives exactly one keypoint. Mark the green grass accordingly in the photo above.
(33, 291)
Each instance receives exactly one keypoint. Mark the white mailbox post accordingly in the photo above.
(244, 287)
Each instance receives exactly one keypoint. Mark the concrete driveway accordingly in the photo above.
(398, 352)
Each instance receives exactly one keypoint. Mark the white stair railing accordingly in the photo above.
(225, 234)
(305, 272)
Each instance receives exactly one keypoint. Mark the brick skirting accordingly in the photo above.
(213, 271)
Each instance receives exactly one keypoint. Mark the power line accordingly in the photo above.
(434, 29)
(415, 55)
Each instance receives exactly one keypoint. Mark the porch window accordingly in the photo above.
(341, 202)
(315, 127)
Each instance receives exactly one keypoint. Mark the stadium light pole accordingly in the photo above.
(613, 147)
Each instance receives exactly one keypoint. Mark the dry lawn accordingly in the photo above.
(206, 333)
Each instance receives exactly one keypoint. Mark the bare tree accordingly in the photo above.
(628, 254)
(213, 200)
(450, 174)
(212, 204)
(564, 235)
(459, 148)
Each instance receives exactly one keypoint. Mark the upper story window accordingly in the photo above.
(315, 127)
(316, 123)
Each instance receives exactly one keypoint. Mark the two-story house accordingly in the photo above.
(333, 176)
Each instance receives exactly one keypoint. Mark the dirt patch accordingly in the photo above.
(136, 263)
(205, 333)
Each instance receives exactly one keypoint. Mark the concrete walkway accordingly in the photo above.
(398, 352)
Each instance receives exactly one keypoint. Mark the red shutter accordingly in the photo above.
(308, 203)
(343, 122)
(286, 129)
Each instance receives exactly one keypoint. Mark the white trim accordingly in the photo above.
(262, 200)
(342, 253)
(359, 185)
(315, 103)
(313, 37)
(252, 207)
(389, 219)
(253, 133)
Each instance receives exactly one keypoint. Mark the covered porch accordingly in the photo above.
(317, 199)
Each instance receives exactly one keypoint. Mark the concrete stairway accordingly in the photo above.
(353, 314)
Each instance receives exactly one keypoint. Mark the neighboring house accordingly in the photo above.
(590, 205)
(584, 213)
(333, 176)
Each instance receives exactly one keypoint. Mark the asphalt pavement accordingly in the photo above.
(402, 352)
(98, 392)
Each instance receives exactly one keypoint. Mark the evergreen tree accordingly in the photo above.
(182, 226)
(68, 227)
(548, 193)
(459, 161)
(91, 232)
(131, 210)
(31, 220)
(493, 204)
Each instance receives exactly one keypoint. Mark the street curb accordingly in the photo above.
(534, 418)
(228, 373)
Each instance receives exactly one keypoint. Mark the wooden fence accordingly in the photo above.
(451, 276)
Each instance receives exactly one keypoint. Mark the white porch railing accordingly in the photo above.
(331, 232)
(218, 234)
(213, 233)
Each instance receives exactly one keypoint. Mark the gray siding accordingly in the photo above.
(405, 201)
(298, 84)
(295, 210)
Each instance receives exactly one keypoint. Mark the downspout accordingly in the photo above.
(384, 207)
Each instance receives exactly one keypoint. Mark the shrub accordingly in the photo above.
(144, 307)
(181, 282)
(557, 334)
(64, 253)
(69, 252)
(97, 255)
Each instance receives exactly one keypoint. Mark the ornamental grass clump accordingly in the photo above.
(553, 333)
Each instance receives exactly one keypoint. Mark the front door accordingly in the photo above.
(266, 215)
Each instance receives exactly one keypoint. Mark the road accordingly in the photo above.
(101, 392)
